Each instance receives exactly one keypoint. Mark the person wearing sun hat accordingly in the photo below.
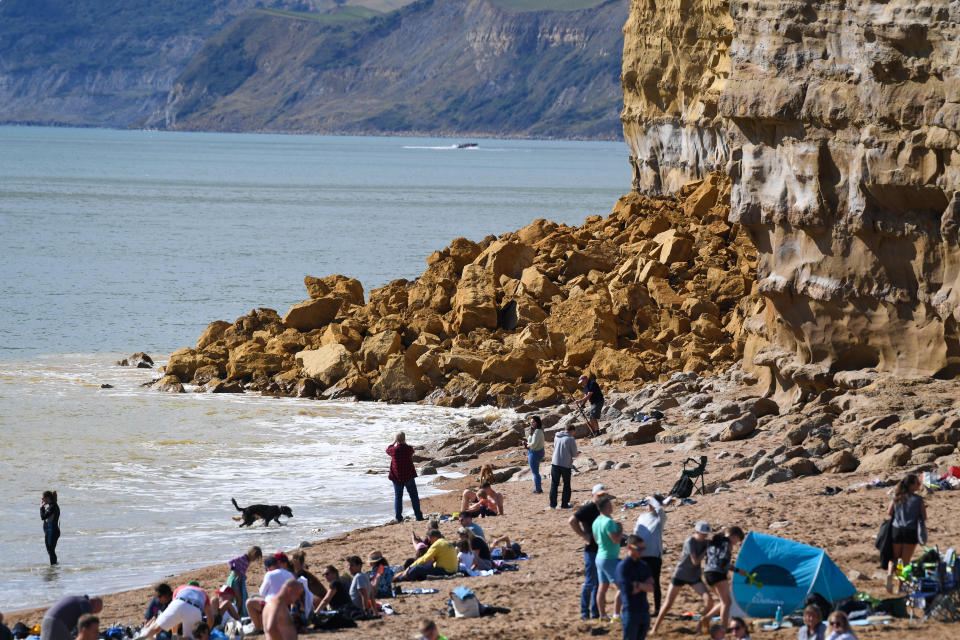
(687, 572)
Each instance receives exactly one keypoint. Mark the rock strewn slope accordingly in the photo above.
(838, 124)
(661, 285)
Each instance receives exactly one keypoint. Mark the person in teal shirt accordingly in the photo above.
(607, 534)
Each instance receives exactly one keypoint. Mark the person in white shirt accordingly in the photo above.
(278, 572)
(650, 524)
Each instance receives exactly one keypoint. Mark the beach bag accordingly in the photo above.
(464, 603)
(682, 488)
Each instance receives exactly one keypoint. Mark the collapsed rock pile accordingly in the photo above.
(660, 285)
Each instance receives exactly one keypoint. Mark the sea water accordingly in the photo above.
(119, 241)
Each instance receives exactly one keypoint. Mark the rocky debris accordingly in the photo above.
(140, 360)
(169, 384)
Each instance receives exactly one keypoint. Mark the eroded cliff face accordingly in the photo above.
(838, 125)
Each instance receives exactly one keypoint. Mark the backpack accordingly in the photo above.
(464, 603)
(682, 488)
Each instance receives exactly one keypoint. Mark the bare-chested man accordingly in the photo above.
(277, 623)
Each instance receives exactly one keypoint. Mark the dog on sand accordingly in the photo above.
(265, 512)
(486, 474)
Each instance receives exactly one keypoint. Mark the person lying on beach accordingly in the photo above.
(277, 621)
(338, 591)
(485, 505)
(60, 620)
(187, 608)
(441, 553)
(277, 575)
(88, 627)
(504, 549)
(471, 500)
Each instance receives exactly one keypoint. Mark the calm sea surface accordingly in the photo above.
(119, 241)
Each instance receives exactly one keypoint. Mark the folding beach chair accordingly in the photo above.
(696, 472)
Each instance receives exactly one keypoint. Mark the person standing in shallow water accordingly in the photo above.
(50, 515)
(403, 475)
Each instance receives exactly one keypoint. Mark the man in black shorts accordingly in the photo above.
(593, 395)
(687, 573)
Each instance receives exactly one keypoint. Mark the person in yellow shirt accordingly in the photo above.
(439, 560)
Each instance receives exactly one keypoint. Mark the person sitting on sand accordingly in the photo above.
(88, 627)
(277, 622)
(471, 499)
(189, 604)
(61, 619)
(224, 608)
(201, 631)
(687, 573)
(482, 559)
(381, 575)
(5, 633)
(361, 591)
(338, 591)
(737, 628)
(237, 580)
(441, 553)
(466, 520)
(813, 627)
(429, 630)
(162, 595)
(484, 506)
(840, 627)
(277, 575)
(465, 556)
(313, 586)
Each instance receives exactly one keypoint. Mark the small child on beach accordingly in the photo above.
(465, 556)
(238, 576)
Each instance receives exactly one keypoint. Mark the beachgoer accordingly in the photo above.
(277, 575)
(738, 628)
(441, 553)
(190, 603)
(403, 476)
(634, 582)
(88, 627)
(649, 527)
(5, 633)
(717, 563)
(60, 620)
(429, 631)
(482, 560)
(593, 395)
(465, 556)
(687, 573)
(471, 500)
(840, 627)
(381, 575)
(50, 515)
(466, 520)
(484, 506)
(313, 588)
(907, 510)
(606, 531)
(338, 591)
(564, 451)
(278, 624)
(162, 595)
(535, 450)
(582, 524)
(201, 631)
(813, 627)
(224, 607)
(716, 632)
(361, 591)
(237, 579)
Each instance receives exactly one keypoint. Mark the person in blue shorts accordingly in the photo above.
(607, 534)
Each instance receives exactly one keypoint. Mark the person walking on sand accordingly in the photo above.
(607, 533)
(277, 622)
(634, 582)
(50, 515)
(582, 524)
(687, 573)
(593, 395)
(908, 511)
(564, 451)
(535, 450)
(403, 476)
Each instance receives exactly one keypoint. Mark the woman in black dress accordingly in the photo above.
(50, 514)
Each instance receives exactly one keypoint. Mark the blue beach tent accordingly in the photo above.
(788, 571)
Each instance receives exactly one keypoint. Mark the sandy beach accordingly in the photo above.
(543, 595)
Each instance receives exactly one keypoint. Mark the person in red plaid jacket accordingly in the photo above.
(403, 475)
